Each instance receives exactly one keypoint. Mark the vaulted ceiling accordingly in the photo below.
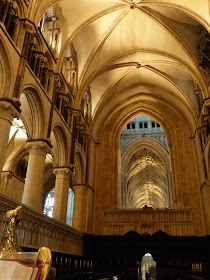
(134, 51)
(145, 174)
(147, 181)
(137, 57)
(126, 48)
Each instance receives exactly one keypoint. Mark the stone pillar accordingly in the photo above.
(206, 203)
(35, 172)
(45, 79)
(79, 207)
(16, 29)
(49, 86)
(8, 111)
(62, 184)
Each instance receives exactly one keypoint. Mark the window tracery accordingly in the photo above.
(49, 27)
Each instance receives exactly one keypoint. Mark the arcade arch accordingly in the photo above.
(178, 125)
(145, 166)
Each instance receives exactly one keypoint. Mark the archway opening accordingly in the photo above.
(145, 178)
(49, 203)
(147, 270)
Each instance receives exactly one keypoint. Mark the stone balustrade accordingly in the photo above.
(148, 220)
(37, 230)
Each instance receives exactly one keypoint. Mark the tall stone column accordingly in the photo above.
(8, 111)
(62, 184)
(206, 203)
(79, 217)
(35, 172)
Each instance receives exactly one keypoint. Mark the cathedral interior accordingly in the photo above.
(105, 134)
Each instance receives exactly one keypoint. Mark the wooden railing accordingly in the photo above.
(37, 230)
(148, 220)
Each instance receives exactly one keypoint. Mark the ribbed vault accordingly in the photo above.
(124, 48)
(138, 57)
(145, 178)
(146, 181)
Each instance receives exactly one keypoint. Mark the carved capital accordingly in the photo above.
(8, 111)
(38, 148)
(62, 173)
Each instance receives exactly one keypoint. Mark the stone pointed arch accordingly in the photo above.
(79, 171)
(33, 112)
(60, 147)
(12, 185)
(161, 155)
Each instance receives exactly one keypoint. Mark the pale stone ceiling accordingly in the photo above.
(145, 175)
(111, 39)
(146, 181)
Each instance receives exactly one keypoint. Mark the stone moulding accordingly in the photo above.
(37, 230)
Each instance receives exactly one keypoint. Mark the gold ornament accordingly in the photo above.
(9, 240)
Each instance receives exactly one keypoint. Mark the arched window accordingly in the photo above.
(49, 26)
(49, 202)
(148, 268)
(70, 207)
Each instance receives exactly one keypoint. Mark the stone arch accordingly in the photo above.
(60, 148)
(37, 41)
(79, 171)
(33, 112)
(13, 173)
(206, 163)
(161, 172)
(49, 62)
(17, 154)
(6, 71)
(145, 137)
(178, 125)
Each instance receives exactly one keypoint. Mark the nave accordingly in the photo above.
(105, 124)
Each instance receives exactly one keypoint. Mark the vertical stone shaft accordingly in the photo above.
(35, 172)
(62, 184)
